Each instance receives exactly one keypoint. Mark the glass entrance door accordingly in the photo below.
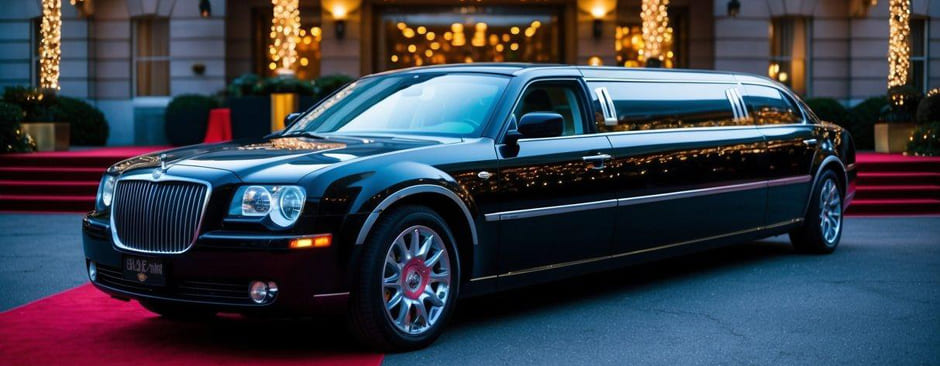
(416, 36)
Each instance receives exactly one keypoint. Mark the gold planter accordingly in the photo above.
(49, 136)
(892, 137)
(282, 104)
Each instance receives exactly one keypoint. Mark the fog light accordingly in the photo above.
(262, 292)
(92, 271)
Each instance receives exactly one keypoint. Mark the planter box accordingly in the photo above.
(282, 104)
(892, 137)
(251, 116)
(49, 136)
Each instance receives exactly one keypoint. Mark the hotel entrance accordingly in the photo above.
(408, 36)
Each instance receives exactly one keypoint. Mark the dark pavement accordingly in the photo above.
(876, 300)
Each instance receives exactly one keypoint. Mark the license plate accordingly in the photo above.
(145, 271)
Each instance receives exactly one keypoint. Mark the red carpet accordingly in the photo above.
(83, 326)
(893, 184)
(60, 181)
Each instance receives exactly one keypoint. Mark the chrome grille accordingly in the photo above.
(157, 217)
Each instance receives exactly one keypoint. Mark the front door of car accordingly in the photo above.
(557, 203)
(686, 160)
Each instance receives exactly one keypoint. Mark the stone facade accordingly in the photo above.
(847, 45)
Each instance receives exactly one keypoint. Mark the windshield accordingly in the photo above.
(429, 104)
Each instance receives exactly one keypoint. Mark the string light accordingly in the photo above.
(50, 49)
(899, 47)
(656, 30)
(285, 28)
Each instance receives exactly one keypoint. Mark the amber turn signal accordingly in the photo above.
(316, 241)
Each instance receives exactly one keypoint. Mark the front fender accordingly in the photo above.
(361, 198)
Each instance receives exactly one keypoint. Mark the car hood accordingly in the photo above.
(275, 159)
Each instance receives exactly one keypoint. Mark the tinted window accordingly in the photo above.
(769, 106)
(554, 98)
(651, 106)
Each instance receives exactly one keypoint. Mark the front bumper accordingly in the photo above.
(213, 275)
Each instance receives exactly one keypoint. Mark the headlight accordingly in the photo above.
(106, 191)
(281, 204)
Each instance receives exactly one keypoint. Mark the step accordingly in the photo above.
(26, 187)
(897, 178)
(51, 173)
(898, 191)
(33, 203)
(900, 166)
(29, 160)
(894, 207)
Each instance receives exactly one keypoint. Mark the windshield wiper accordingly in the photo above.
(304, 134)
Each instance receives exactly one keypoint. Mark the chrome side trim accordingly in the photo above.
(161, 178)
(550, 210)
(317, 296)
(408, 191)
(684, 81)
(783, 125)
(484, 278)
(647, 250)
(638, 200)
(788, 181)
(850, 167)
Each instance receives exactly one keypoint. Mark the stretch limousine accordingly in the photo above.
(404, 191)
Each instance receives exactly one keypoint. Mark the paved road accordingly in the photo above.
(875, 301)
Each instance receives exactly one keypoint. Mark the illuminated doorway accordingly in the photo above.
(416, 36)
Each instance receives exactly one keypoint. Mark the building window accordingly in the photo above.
(35, 44)
(789, 52)
(919, 46)
(151, 57)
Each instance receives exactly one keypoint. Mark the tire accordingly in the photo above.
(177, 311)
(822, 227)
(390, 269)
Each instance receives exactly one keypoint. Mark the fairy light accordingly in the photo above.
(50, 49)
(285, 30)
(899, 47)
(656, 30)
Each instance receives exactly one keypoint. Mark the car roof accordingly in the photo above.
(589, 72)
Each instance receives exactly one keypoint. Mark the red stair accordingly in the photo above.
(64, 181)
(893, 184)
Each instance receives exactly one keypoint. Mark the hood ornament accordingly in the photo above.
(159, 172)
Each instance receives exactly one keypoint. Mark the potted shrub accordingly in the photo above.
(925, 139)
(39, 120)
(250, 112)
(864, 117)
(187, 117)
(894, 129)
(87, 125)
(12, 137)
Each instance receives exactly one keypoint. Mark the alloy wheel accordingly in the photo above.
(416, 279)
(830, 212)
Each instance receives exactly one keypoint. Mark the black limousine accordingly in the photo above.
(404, 191)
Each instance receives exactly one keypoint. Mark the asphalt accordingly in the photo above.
(876, 300)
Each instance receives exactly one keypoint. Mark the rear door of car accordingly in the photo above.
(686, 161)
(558, 203)
(791, 145)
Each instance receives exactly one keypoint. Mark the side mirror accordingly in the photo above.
(537, 125)
(290, 118)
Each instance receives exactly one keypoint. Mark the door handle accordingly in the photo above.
(597, 161)
(809, 142)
